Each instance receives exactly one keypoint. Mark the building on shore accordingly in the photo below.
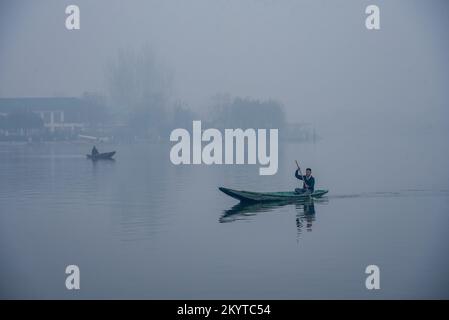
(59, 116)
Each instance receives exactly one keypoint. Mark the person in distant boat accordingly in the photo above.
(308, 181)
(94, 151)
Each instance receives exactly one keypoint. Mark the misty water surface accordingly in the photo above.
(140, 227)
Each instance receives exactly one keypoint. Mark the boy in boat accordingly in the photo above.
(94, 151)
(308, 182)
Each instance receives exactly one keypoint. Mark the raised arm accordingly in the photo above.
(297, 175)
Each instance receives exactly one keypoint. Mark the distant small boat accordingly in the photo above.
(101, 156)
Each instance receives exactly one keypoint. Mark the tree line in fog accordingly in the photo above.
(141, 94)
(140, 104)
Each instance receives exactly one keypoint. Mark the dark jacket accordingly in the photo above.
(310, 182)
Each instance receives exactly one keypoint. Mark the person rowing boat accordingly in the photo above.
(308, 181)
(94, 151)
(299, 194)
(96, 155)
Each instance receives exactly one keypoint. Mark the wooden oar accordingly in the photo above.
(303, 179)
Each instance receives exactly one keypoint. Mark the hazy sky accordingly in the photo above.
(316, 57)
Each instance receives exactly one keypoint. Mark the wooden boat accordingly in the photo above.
(101, 156)
(249, 196)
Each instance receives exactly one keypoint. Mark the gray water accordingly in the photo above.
(140, 227)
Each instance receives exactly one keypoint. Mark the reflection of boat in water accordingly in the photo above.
(244, 210)
(305, 209)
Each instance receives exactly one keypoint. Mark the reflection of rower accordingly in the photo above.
(309, 208)
(306, 213)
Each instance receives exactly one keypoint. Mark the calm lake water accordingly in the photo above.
(140, 227)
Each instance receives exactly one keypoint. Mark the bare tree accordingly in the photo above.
(140, 88)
